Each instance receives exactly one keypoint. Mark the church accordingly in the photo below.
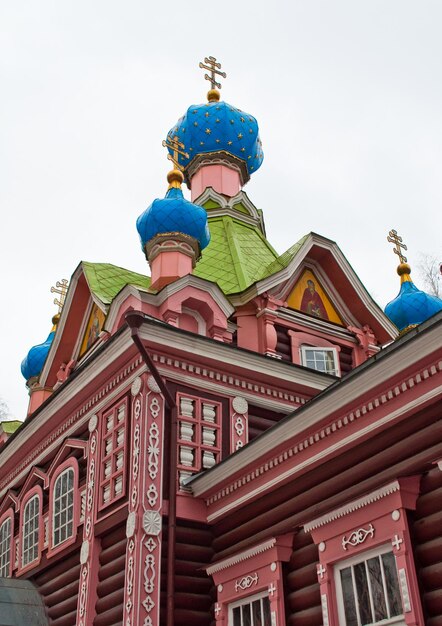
(239, 438)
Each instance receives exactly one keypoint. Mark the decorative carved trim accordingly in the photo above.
(246, 582)
(242, 556)
(357, 537)
(73, 419)
(326, 431)
(406, 602)
(374, 496)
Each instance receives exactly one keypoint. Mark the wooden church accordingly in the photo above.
(241, 439)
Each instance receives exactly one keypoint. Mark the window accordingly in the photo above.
(30, 537)
(63, 507)
(368, 590)
(112, 480)
(320, 359)
(199, 435)
(252, 611)
(5, 548)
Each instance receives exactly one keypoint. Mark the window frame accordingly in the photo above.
(362, 557)
(246, 600)
(8, 516)
(122, 471)
(197, 423)
(69, 465)
(303, 356)
(34, 492)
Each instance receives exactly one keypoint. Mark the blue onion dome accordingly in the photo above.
(411, 306)
(174, 214)
(221, 130)
(32, 364)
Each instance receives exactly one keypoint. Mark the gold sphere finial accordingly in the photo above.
(175, 178)
(403, 268)
(56, 319)
(213, 95)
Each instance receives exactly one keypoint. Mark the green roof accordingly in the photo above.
(106, 280)
(10, 426)
(237, 255)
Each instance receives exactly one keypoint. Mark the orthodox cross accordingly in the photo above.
(61, 287)
(178, 148)
(393, 237)
(213, 68)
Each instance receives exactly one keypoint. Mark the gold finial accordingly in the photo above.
(178, 148)
(61, 287)
(214, 68)
(394, 238)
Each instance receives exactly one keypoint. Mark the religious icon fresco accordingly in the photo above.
(309, 297)
(93, 329)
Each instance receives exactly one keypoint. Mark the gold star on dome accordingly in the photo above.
(217, 120)
(217, 140)
(229, 143)
(195, 123)
(208, 131)
(243, 149)
(232, 121)
(239, 135)
(207, 114)
(242, 119)
(201, 143)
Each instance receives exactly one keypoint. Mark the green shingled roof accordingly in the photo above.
(106, 280)
(237, 255)
(10, 426)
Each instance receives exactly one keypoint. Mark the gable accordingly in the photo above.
(309, 296)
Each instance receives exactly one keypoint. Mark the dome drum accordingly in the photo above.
(171, 256)
(217, 158)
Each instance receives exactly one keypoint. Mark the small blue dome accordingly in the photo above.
(218, 127)
(411, 306)
(33, 363)
(174, 214)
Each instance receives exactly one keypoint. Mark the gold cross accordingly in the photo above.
(211, 66)
(178, 148)
(393, 237)
(61, 287)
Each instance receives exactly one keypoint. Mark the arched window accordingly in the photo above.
(63, 507)
(5, 548)
(30, 537)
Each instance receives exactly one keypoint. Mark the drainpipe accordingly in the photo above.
(134, 320)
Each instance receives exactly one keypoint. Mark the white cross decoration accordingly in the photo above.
(217, 609)
(396, 543)
(271, 590)
(320, 570)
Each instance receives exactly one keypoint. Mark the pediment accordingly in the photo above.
(343, 295)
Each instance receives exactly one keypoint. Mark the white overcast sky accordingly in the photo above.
(348, 96)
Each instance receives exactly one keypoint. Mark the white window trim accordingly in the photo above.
(72, 505)
(36, 496)
(304, 348)
(6, 555)
(243, 601)
(399, 620)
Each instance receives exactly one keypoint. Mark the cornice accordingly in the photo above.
(106, 392)
(292, 427)
(242, 556)
(360, 503)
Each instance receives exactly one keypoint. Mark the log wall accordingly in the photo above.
(110, 588)
(302, 595)
(426, 528)
(58, 586)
